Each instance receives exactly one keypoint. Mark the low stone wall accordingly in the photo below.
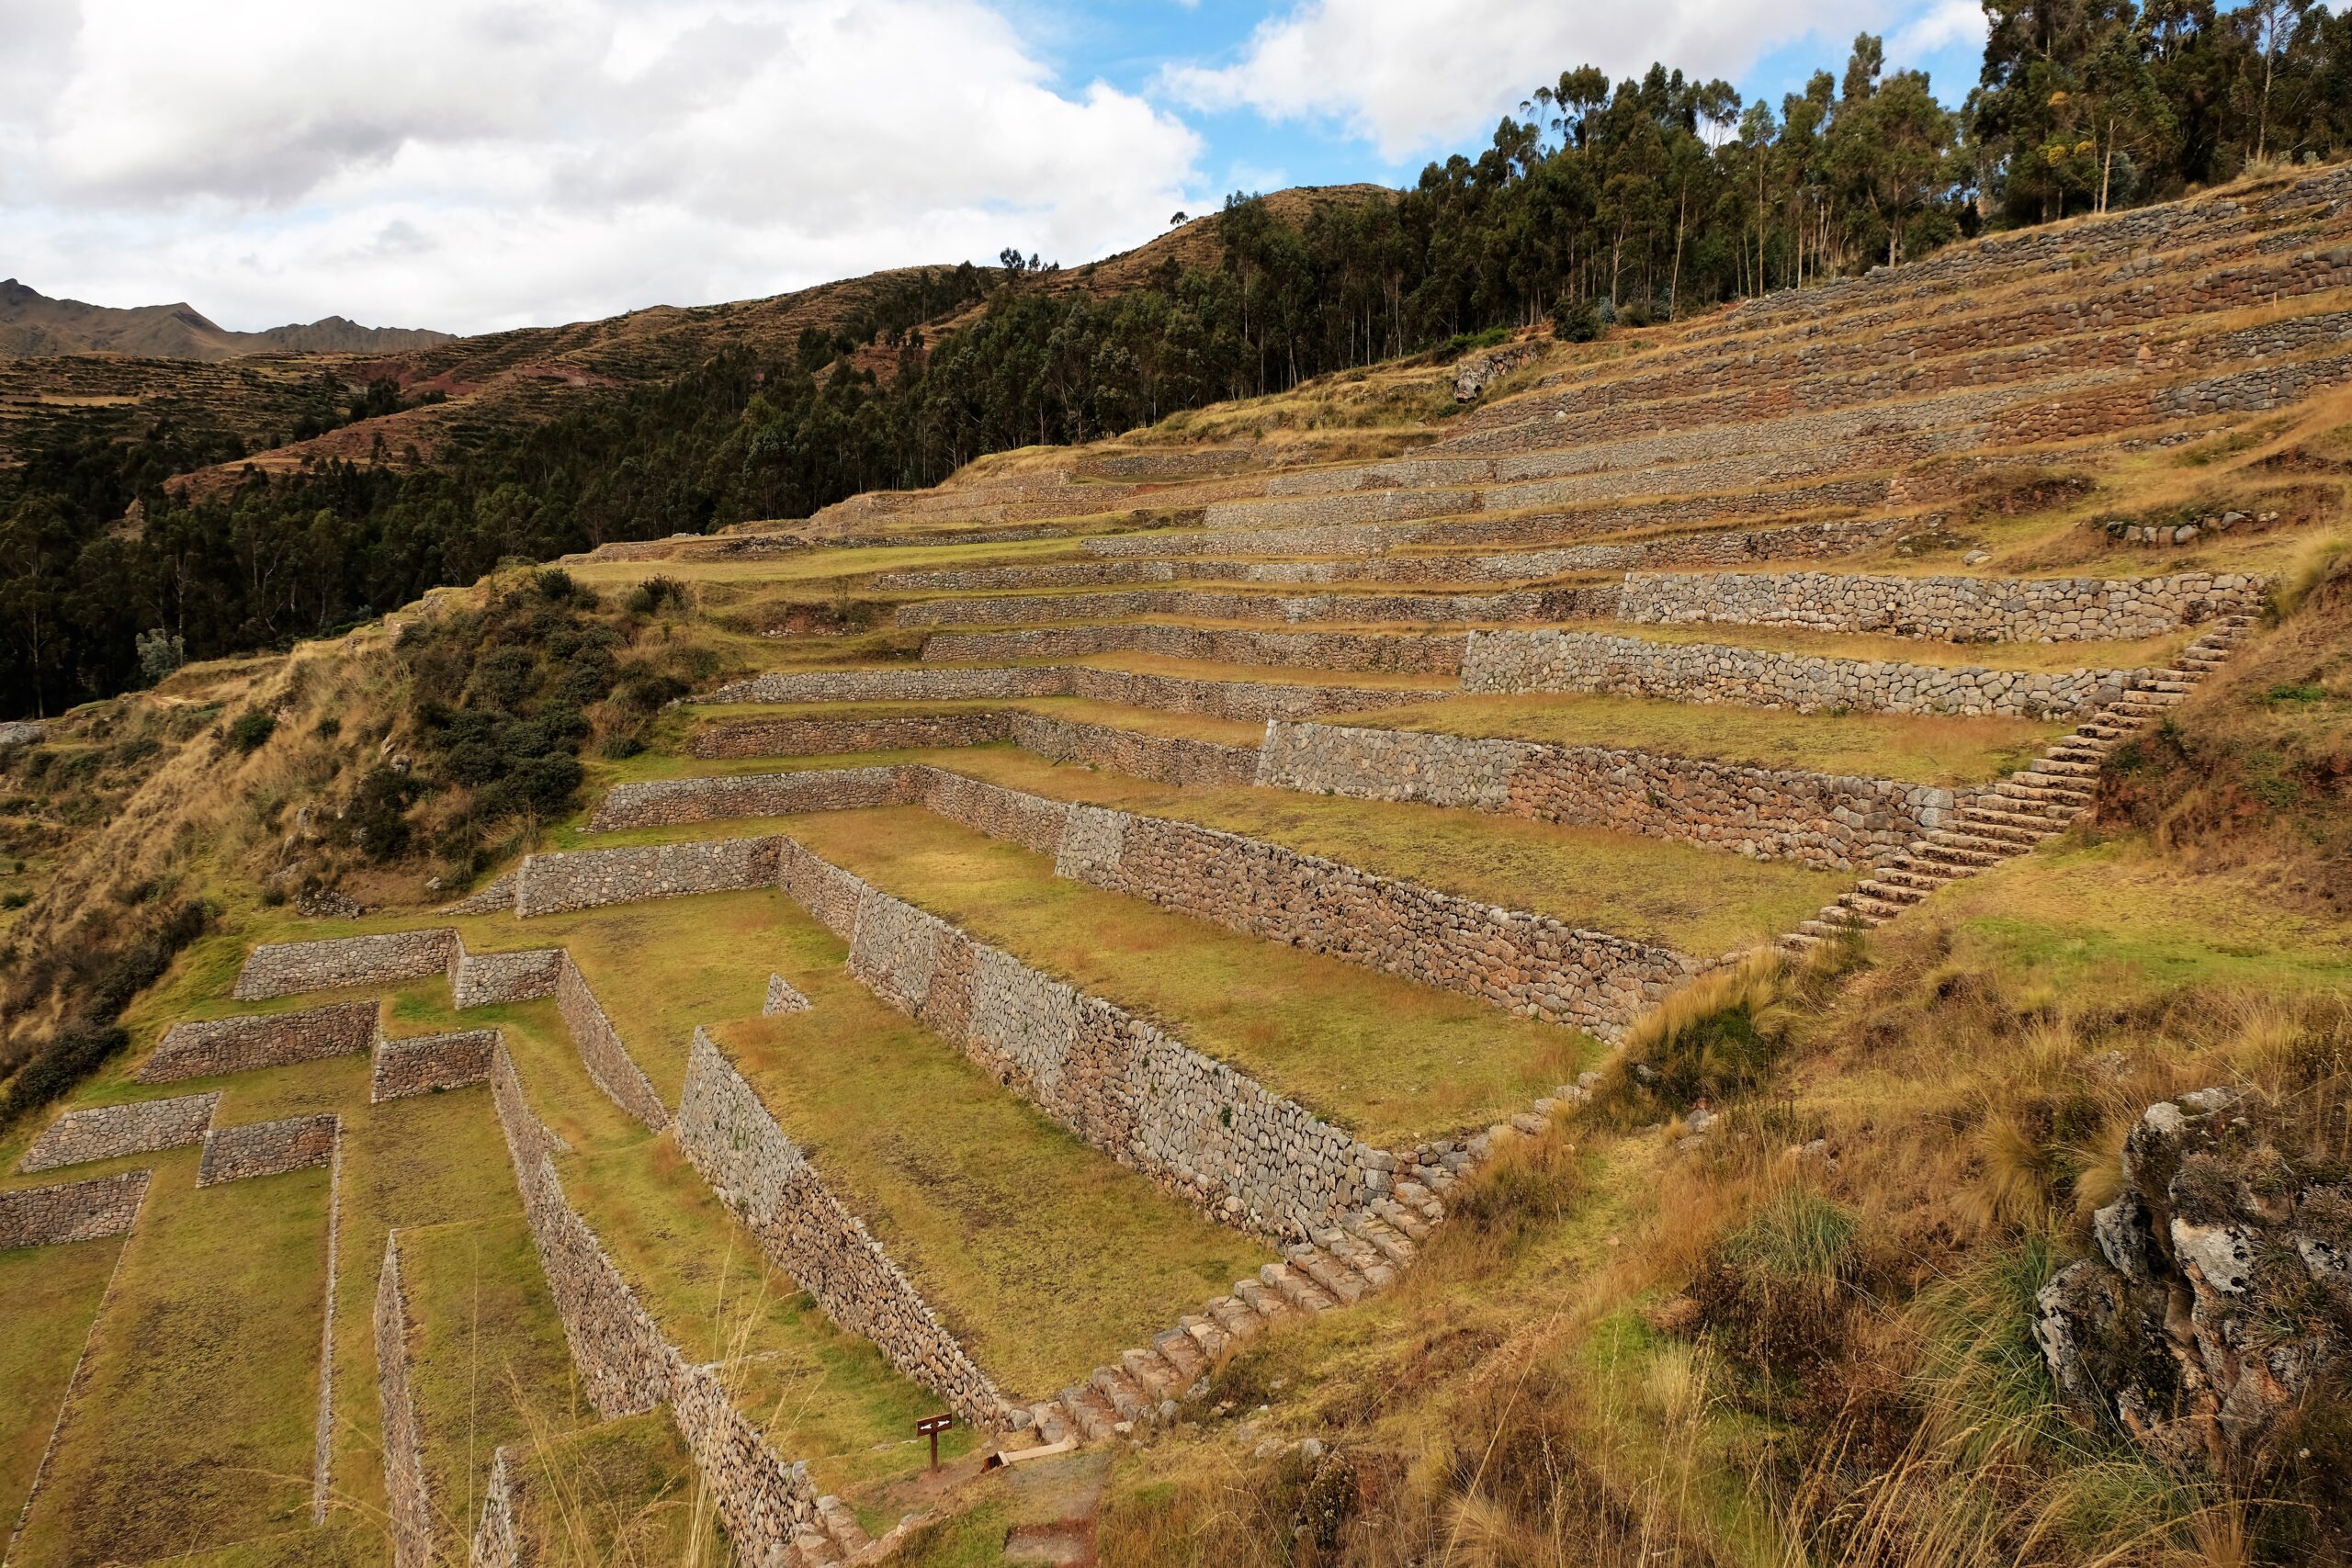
(586, 879)
(1076, 574)
(1169, 759)
(601, 1051)
(1030, 820)
(486, 980)
(1768, 813)
(626, 1365)
(1529, 605)
(1200, 1129)
(1716, 672)
(219, 1045)
(1526, 963)
(109, 1132)
(890, 685)
(655, 803)
(285, 969)
(268, 1148)
(73, 1211)
(767, 1180)
(833, 736)
(830, 895)
(1956, 609)
(1436, 653)
(783, 996)
(426, 1063)
(498, 1539)
(408, 1502)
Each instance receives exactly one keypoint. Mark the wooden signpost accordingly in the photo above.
(931, 1427)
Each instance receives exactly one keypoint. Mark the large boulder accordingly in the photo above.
(2220, 1292)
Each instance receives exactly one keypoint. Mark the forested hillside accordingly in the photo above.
(1601, 208)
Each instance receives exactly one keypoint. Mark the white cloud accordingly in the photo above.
(479, 163)
(1942, 25)
(1413, 75)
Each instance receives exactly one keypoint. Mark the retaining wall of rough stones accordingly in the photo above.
(285, 969)
(767, 1180)
(1768, 813)
(268, 1148)
(830, 895)
(108, 1132)
(1215, 1136)
(890, 685)
(262, 1040)
(626, 1365)
(1437, 653)
(1293, 609)
(1173, 693)
(828, 737)
(601, 1051)
(424, 1062)
(1030, 820)
(652, 803)
(586, 879)
(1956, 609)
(408, 1504)
(1716, 672)
(73, 1211)
(498, 1539)
(782, 997)
(486, 980)
(1169, 759)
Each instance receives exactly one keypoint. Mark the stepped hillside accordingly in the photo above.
(1726, 945)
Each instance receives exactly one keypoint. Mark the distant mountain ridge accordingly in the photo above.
(33, 325)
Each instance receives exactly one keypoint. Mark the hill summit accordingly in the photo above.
(33, 325)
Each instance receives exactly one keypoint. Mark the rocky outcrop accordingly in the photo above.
(2220, 1292)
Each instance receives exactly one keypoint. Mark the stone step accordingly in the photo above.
(814, 1549)
(1262, 1299)
(1890, 892)
(1411, 1194)
(1295, 1288)
(1236, 1317)
(1997, 827)
(1837, 914)
(1089, 1411)
(1182, 1350)
(841, 1523)
(1390, 1243)
(1052, 1424)
(1404, 1220)
(1798, 941)
(1872, 907)
(1920, 881)
(2061, 768)
(1150, 1375)
(1133, 1404)
(1361, 1257)
(2035, 825)
(1343, 1283)
(1957, 854)
(1966, 837)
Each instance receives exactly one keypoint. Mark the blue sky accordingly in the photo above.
(473, 165)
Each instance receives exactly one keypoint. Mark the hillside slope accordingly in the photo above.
(1719, 946)
(33, 325)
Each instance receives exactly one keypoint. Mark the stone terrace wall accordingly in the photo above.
(424, 1062)
(626, 1365)
(1253, 700)
(652, 803)
(1729, 546)
(498, 1542)
(1958, 609)
(409, 1505)
(1534, 605)
(890, 685)
(601, 1051)
(1031, 821)
(1434, 654)
(1769, 813)
(1169, 759)
(830, 895)
(767, 1180)
(1197, 1127)
(74, 1211)
(979, 579)
(486, 980)
(108, 1132)
(1715, 673)
(285, 969)
(829, 737)
(587, 879)
(1526, 963)
(268, 1148)
(262, 1040)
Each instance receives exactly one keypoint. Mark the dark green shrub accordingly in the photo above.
(1576, 319)
(251, 729)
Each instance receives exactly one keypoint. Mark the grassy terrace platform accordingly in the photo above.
(1047, 1258)
(1391, 1061)
(48, 1295)
(194, 1427)
(623, 1492)
(1078, 710)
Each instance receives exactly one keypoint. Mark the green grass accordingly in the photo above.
(48, 1297)
(1117, 715)
(1392, 1061)
(625, 1491)
(1045, 1257)
(195, 1429)
(1915, 748)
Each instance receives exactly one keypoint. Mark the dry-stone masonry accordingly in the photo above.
(1956, 609)
(1719, 672)
(820, 736)
(1203, 1131)
(263, 1040)
(601, 1051)
(424, 1062)
(1768, 813)
(268, 1148)
(408, 1502)
(891, 685)
(285, 969)
(106, 1132)
(485, 979)
(652, 803)
(1175, 693)
(586, 879)
(767, 1180)
(783, 996)
(497, 1539)
(1529, 605)
(1435, 653)
(1169, 759)
(75, 1211)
